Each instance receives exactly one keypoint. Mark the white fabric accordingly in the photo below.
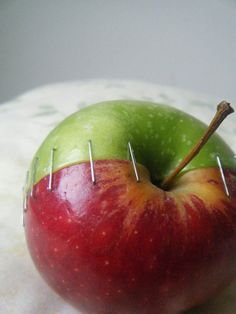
(24, 122)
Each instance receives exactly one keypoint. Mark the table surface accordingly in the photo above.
(24, 122)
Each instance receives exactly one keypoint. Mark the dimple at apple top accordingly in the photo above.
(24, 123)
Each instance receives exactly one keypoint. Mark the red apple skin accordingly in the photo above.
(122, 247)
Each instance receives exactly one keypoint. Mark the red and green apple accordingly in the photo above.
(122, 246)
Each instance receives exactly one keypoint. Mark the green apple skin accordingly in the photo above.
(161, 137)
(121, 246)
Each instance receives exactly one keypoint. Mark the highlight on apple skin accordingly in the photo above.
(109, 243)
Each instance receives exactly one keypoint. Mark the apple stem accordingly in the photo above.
(223, 110)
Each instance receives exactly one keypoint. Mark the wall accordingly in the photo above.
(189, 44)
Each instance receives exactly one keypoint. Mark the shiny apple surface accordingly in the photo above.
(120, 246)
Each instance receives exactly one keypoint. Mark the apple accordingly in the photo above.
(113, 234)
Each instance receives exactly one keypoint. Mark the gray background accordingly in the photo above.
(189, 44)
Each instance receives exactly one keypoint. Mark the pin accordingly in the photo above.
(25, 192)
(91, 162)
(50, 179)
(133, 162)
(33, 176)
(23, 219)
(25, 196)
(222, 175)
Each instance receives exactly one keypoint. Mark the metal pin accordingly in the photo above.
(133, 162)
(91, 162)
(222, 175)
(25, 192)
(33, 176)
(25, 196)
(50, 179)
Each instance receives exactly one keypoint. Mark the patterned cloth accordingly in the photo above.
(24, 123)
